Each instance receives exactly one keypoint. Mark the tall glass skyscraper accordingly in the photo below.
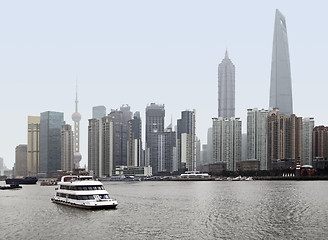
(281, 82)
(186, 140)
(226, 88)
(155, 114)
(50, 142)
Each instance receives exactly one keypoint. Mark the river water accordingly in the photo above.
(174, 210)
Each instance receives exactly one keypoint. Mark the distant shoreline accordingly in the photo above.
(292, 178)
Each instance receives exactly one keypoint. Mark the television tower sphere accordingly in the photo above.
(77, 157)
(76, 117)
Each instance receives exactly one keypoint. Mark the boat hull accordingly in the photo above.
(83, 206)
(19, 181)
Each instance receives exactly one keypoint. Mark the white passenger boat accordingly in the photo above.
(82, 192)
(195, 174)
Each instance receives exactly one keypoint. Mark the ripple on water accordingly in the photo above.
(175, 210)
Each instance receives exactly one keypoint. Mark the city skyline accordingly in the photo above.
(39, 73)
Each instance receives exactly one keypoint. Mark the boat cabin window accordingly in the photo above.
(82, 188)
(61, 195)
(105, 196)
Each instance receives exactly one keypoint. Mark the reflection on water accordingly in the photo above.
(171, 210)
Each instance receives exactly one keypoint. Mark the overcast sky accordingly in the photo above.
(138, 52)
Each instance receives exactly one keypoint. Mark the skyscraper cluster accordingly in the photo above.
(115, 141)
(52, 145)
(274, 135)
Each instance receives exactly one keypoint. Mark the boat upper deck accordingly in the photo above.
(79, 181)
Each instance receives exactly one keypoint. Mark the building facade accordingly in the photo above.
(101, 146)
(155, 114)
(204, 155)
(162, 150)
(281, 83)
(308, 125)
(94, 146)
(257, 136)
(210, 146)
(134, 146)
(226, 88)
(126, 117)
(2, 167)
(186, 140)
(33, 143)
(117, 117)
(227, 140)
(21, 160)
(320, 142)
(67, 148)
(284, 137)
(50, 142)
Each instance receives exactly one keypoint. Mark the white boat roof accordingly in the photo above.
(79, 180)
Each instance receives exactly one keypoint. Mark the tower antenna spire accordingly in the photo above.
(76, 101)
(76, 117)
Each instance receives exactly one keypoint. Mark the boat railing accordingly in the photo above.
(72, 178)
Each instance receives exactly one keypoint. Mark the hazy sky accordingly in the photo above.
(138, 52)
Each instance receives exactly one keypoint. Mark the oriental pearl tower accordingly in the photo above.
(76, 117)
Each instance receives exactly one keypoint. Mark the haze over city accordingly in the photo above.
(141, 52)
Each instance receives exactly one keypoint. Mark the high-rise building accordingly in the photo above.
(162, 150)
(227, 140)
(108, 147)
(101, 146)
(50, 142)
(244, 147)
(154, 123)
(281, 83)
(308, 125)
(257, 136)
(1, 166)
(284, 137)
(98, 112)
(210, 146)
(134, 147)
(67, 148)
(121, 118)
(198, 159)
(186, 140)
(320, 142)
(33, 143)
(76, 117)
(204, 155)
(154, 119)
(126, 117)
(94, 146)
(21, 160)
(226, 85)
(117, 117)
